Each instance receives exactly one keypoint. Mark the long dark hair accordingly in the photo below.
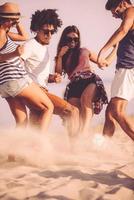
(75, 52)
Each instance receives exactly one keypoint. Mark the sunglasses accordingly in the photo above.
(47, 31)
(14, 21)
(70, 39)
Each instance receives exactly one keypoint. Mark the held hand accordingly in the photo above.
(100, 61)
(63, 51)
(102, 64)
(57, 78)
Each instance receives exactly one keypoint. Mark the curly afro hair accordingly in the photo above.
(45, 16)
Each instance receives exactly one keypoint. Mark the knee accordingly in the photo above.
(118, 115)
(86, 102)
(70, 111)
(21, 120)
(49, 108)
(115, 111)
(74, 111)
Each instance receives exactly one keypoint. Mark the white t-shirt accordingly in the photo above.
(37, 61)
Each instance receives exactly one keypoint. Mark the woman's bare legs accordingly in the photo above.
(76, 102)
(71, 118)
(33, 97)
(86, 106)
(37, 99)
(18, 110)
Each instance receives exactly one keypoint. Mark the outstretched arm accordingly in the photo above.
(120, 33)
(21, 34)
(109, 59)
(103, 62)
(112, 55)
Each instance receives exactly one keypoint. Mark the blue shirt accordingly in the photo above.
(125, 53)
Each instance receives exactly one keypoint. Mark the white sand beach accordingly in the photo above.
(48, 168)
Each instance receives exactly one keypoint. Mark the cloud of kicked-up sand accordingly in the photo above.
(40, 150)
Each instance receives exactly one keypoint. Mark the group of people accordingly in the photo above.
(25, 71)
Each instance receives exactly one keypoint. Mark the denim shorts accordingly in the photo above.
(13, 87)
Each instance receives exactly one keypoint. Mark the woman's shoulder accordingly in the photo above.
(84, 50)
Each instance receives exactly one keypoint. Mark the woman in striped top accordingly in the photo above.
(15, 85)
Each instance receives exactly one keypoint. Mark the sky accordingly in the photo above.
(95, 23)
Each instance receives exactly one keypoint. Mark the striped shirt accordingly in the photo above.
(13, 68)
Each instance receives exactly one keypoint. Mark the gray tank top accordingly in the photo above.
(125, 53)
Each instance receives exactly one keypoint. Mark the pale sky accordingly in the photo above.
(96, 25)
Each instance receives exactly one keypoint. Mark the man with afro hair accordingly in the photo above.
(44, 24)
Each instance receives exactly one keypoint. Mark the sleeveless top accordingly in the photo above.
(10, 69)
(125, 53)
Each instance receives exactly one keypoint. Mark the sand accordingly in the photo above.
(47, 167)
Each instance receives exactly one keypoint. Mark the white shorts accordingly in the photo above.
(123, 84)
(13, 87)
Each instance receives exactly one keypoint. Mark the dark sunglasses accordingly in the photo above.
(70, 39)
(14, 21)
(47, 31)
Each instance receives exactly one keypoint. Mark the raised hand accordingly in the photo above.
(63, 51)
